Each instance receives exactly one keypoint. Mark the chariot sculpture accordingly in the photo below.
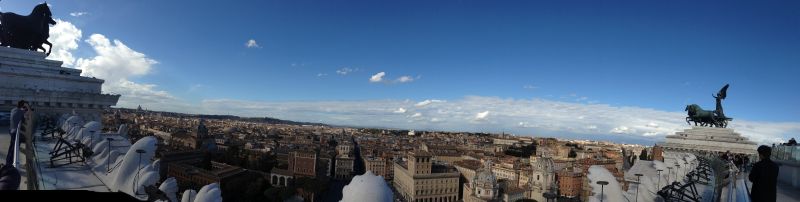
(709, 118)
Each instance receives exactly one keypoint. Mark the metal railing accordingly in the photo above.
(721, 175)
(15, 142)
(786, 153)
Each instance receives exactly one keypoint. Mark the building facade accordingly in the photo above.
(303, 163)
(569, 183)
(420, 180)
(50, 89)
(344, 167)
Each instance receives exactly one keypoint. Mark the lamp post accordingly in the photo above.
(659, 178)
(138, 168)
(638, 183)
(108, 157)
(549, 196)
(669, 175)
(602, 188)
(91, 138)
(677, 166)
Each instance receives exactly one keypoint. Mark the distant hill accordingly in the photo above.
(267, 120)
(280, 121)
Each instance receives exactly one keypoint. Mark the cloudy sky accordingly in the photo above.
(592, 70)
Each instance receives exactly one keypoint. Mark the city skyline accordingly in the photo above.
(573, 71)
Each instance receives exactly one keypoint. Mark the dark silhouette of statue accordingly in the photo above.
(714, 118)
(27, 32)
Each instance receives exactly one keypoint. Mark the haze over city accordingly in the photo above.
(575, 70)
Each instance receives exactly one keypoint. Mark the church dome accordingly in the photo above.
(229, 130)
(485, 175)
(544, 164)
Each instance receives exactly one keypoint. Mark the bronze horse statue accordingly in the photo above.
(27, 32)
(714, 118)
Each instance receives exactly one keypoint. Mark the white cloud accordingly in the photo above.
(134, 94)
(117, 64)
(480, 116)
(520, 116)
(252, 44)
(65, 36)
(345, 71)
(400, 110)
(321, 74)
(531, 87)
(114, 61)
(427, 102)
(621, 130)
(404, 79)
(377, 77)
(78, 14)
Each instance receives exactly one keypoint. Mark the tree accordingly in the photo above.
(524, 151)
(572, 153)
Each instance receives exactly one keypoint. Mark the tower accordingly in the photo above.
(201, 131)
(202, 139)
(419, 162)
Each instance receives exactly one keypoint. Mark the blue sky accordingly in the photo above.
(645, 55)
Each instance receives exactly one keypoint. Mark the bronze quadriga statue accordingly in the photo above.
(714, 118)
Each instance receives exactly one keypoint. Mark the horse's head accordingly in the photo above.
(43, 10)
(692, 109)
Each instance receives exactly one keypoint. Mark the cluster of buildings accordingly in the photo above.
(419, 166)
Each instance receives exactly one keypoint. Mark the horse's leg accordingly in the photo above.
(37, 47)
(50, 47)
